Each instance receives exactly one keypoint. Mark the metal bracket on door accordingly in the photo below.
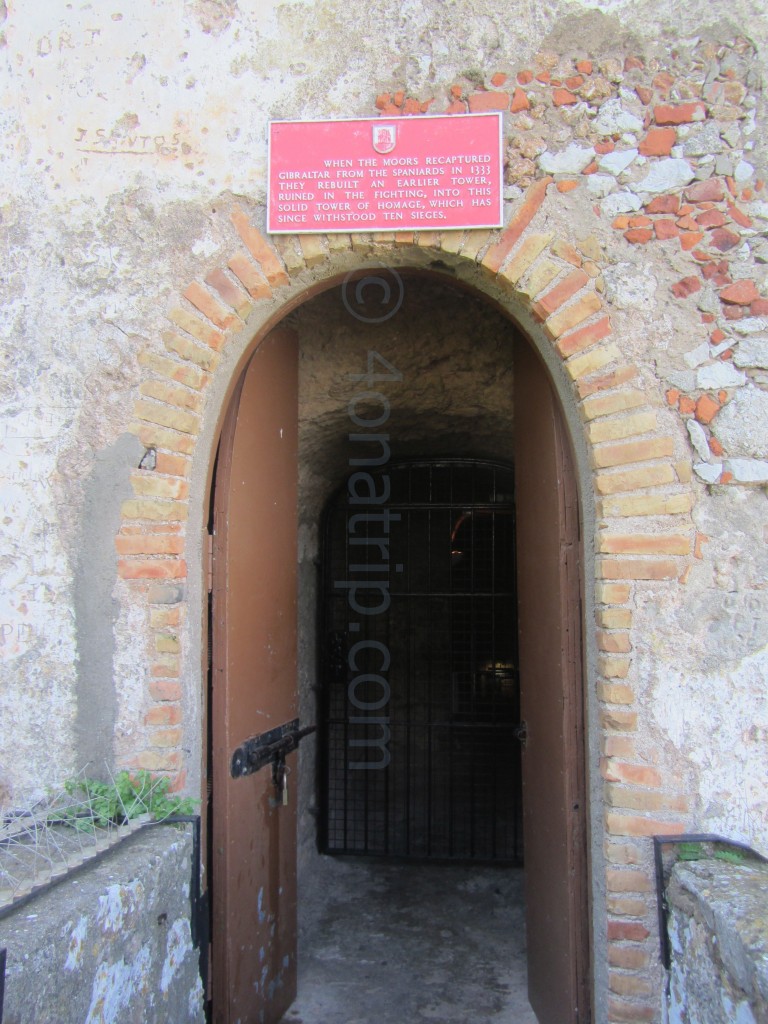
(270, 747)
(520, 733)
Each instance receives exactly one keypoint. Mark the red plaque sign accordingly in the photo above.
(385, 174)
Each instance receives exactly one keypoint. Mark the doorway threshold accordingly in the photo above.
(383, 942)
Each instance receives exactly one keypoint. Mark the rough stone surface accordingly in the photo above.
(112, 943)
(740, 426)
(718, 928)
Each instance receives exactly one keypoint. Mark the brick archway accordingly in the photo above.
(633, 476)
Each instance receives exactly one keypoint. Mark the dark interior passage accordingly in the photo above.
(384, 943)
(419, 754)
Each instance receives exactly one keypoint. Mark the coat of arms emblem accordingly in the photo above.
(384, 137)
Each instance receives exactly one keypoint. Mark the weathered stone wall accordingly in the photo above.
(718, 933)
(634, 258)
(112, 943)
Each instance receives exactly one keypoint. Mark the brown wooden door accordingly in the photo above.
(254, 690)
(549, 598)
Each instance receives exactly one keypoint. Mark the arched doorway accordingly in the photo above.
(550, 633)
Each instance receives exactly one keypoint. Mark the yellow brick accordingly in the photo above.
(613, 643)
(595, 359)
(167, 643)
(633, 451)
(625, 906)
(626, 880)
(165, 737)
(622, 853)
(339, 242)
(383, 237)
(152, 436)
(607, 405)
(644, 544)
(182, 373)
(451, 242)
(648, 505)
(154, 508)
(360, 242)
(572, 315)
(151, 486)
(634, 480)
(312, 249)
(166, 416)
(613, 668)
(205, 358)
(171, 394)
(157, 761)
(636, 569)
(197, 328)
(615, 693)
(428, 239)
(566, 252)
(634, 825)
(160, 618)
(543, 274)
(629, 799)
(474, 243)
(289, 251)
(530, 249)
(612, 593)
(620, 427)
(618, 721)
(684, 471)
(614, 618)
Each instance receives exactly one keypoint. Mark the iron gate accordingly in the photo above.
(421, 749)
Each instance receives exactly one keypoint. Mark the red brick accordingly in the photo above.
(151, 569)
(638, 236)
(527, 210)
(690, 239)
(498, 79)
(150, 544)
(482, 101)
(740, 293)
(412, 106)
(717, 336)
(590, 168)
(524, 77)
(683, 113)
(673, 397)
(456, 107)
(574, 82)
(733, 312)
(605, 146)
(644, 95)
(621, 1012)
(563, 98)
(717, 273)
(707, 408)
(686, 405)
(711, 219)
(544, 77)
(260, 249)
(665, 228)
(567, 186)
(162, 689)
(658, 142)
(520, 101)
(560, 294)
(739, 217)
(723, 239)
(710, 190)
(632, 63)
(664, 81)
(583, 337)
(165, 714)
(663, 204)
(627, 931)
(382, 100)
(634, 774)
(759, 307)
(229, 291)
(398, 98)
(584, 67)
(686, 286)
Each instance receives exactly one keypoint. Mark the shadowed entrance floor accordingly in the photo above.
(384, 943)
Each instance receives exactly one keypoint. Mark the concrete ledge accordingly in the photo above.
(718, 929)
(113, 943)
